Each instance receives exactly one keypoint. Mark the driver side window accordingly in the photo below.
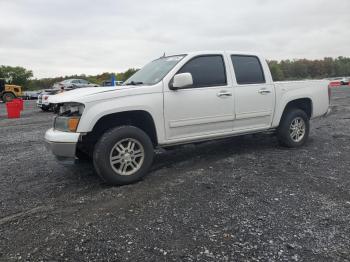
(206, 71)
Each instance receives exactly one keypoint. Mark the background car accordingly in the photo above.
(31, 95)
(109, 83)
(26, 95)
(345, 81)
(43, 102)
(74, 83)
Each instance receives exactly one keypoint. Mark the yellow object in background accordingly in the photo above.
(9, 92)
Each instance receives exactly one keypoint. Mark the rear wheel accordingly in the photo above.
(294, 128)
(8, 97)
(123, 155)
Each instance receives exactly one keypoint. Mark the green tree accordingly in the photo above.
(127, 74)
(280, 70)
(276, 71)
(15, 75)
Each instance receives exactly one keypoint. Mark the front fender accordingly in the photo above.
(151, 103)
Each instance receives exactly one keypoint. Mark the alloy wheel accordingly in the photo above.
(127, 156)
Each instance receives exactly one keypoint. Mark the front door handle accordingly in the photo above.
(264, 91)
(223, 94)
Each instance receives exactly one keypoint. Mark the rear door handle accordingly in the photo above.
(224, 94)
(264, 91)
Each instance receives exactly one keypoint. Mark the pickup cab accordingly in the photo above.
(180, 99)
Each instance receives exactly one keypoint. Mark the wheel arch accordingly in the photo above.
(304, 103)
(138, 118)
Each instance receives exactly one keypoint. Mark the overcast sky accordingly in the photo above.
(62, 37)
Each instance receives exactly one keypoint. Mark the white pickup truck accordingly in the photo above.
(181, 99)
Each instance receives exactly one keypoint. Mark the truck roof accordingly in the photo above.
(206, 52)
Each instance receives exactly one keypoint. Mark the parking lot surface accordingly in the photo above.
(238, 199)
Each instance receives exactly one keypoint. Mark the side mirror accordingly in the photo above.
(181, 80)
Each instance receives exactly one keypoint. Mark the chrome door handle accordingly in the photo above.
(223, 93)
(264, 91)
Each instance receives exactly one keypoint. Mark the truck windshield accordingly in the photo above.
(153, 72)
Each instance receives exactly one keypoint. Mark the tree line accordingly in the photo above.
(310, 69)
(23, 77)
(45, 83)
(296, 69)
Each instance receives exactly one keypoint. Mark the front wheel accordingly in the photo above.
(123, 155)
(294, 128)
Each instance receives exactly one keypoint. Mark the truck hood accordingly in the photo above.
(78, 94)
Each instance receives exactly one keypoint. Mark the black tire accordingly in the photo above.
(8, 97)
(284, 130)
(104, 149)
(83, 156)
(55, 108)
(45, 108)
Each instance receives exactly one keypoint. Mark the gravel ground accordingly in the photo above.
(238, 199)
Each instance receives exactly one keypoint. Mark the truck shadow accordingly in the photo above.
(204, 153)
(214, 150)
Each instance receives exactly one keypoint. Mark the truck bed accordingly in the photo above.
(315, 90)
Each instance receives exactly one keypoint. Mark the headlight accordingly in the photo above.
(66, 124)
(68, 117)
(71, 109)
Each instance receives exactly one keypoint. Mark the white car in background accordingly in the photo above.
(74, 83)
(43, 99)
(60, 87)
(345, 81)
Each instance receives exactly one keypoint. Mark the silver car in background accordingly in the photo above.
(30, 95)
(73, 83)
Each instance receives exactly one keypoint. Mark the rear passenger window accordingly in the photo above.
(206, 71)
(248, 69)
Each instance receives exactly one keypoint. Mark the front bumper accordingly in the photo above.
(38, 104)
(61, 144)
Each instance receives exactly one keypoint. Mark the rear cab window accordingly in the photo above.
(248, 69)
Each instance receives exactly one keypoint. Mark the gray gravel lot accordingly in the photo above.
(238, 199)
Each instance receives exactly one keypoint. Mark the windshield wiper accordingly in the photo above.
(132, 83)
